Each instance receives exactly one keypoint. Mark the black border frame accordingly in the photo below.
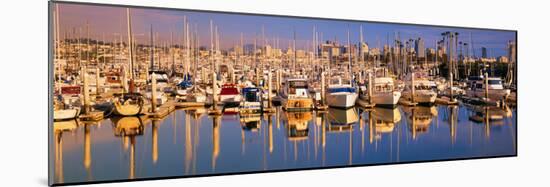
(50, 96)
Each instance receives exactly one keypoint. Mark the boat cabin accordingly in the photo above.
(297, 87)
(477, 82)
(251, 94)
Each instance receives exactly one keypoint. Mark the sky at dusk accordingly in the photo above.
(110, 22)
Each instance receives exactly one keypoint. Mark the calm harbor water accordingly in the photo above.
(187, 143)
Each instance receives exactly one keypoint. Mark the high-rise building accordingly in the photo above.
(512, 51)
(483, 52)
(238, 50)
(419, 48)
(268, 50)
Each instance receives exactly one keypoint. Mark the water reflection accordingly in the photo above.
(385, 119)
(297, 125)
(216, 122)
(128, 128)
(189, 142)
(419, 119)
(342, 121)
(490, 115)
(59, 128)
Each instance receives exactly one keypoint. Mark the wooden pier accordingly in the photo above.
(189, 104)
(481, 101)
(91, 116)
(269, 110)
(321, 107)
(162, 110)
(364, 104)
(407, 102)
(446, 101)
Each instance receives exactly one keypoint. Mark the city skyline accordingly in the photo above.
(110, 22)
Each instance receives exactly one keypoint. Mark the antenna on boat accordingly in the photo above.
(152, 49)
(294, 49)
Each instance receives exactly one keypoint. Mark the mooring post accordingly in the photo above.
(153, 93)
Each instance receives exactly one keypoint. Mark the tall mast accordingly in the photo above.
(152, 49)
(87, 42)
(56, 21)
(254, 52)
(130, 51)
(361, 44)
(183, 42)
(217, 44)
(212, 44)
(242, 48)
(294, 49)
(263, 51)
(435, 57)
(197, 48)
(188, 46)
(171, 52)
(349, 53)
(313, 48)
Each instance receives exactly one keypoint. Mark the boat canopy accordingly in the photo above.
(342, 89)
(297, 83)
(229, 89)
(186, 83)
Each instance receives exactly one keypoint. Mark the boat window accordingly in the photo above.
(422, 87)
(479, 86)
(495, 82)
(334, 81)
(346, 81)
(298, 84)
(383, 88)
(250, 97)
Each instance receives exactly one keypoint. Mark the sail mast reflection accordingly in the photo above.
(59, 127)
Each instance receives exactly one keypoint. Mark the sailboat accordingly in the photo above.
(67, 105)
(341, 93)
(183, 87)
(424, 88)
(132, 103)
(161, 78)
(384, 92)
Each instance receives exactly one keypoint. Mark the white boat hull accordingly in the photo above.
(341, 100)
(160, 98)
(495, 94)
(65, 114)
(386, 99)
(181, 92)
(129, 109)
(421, 96)
(230, 99)
(199, 98)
